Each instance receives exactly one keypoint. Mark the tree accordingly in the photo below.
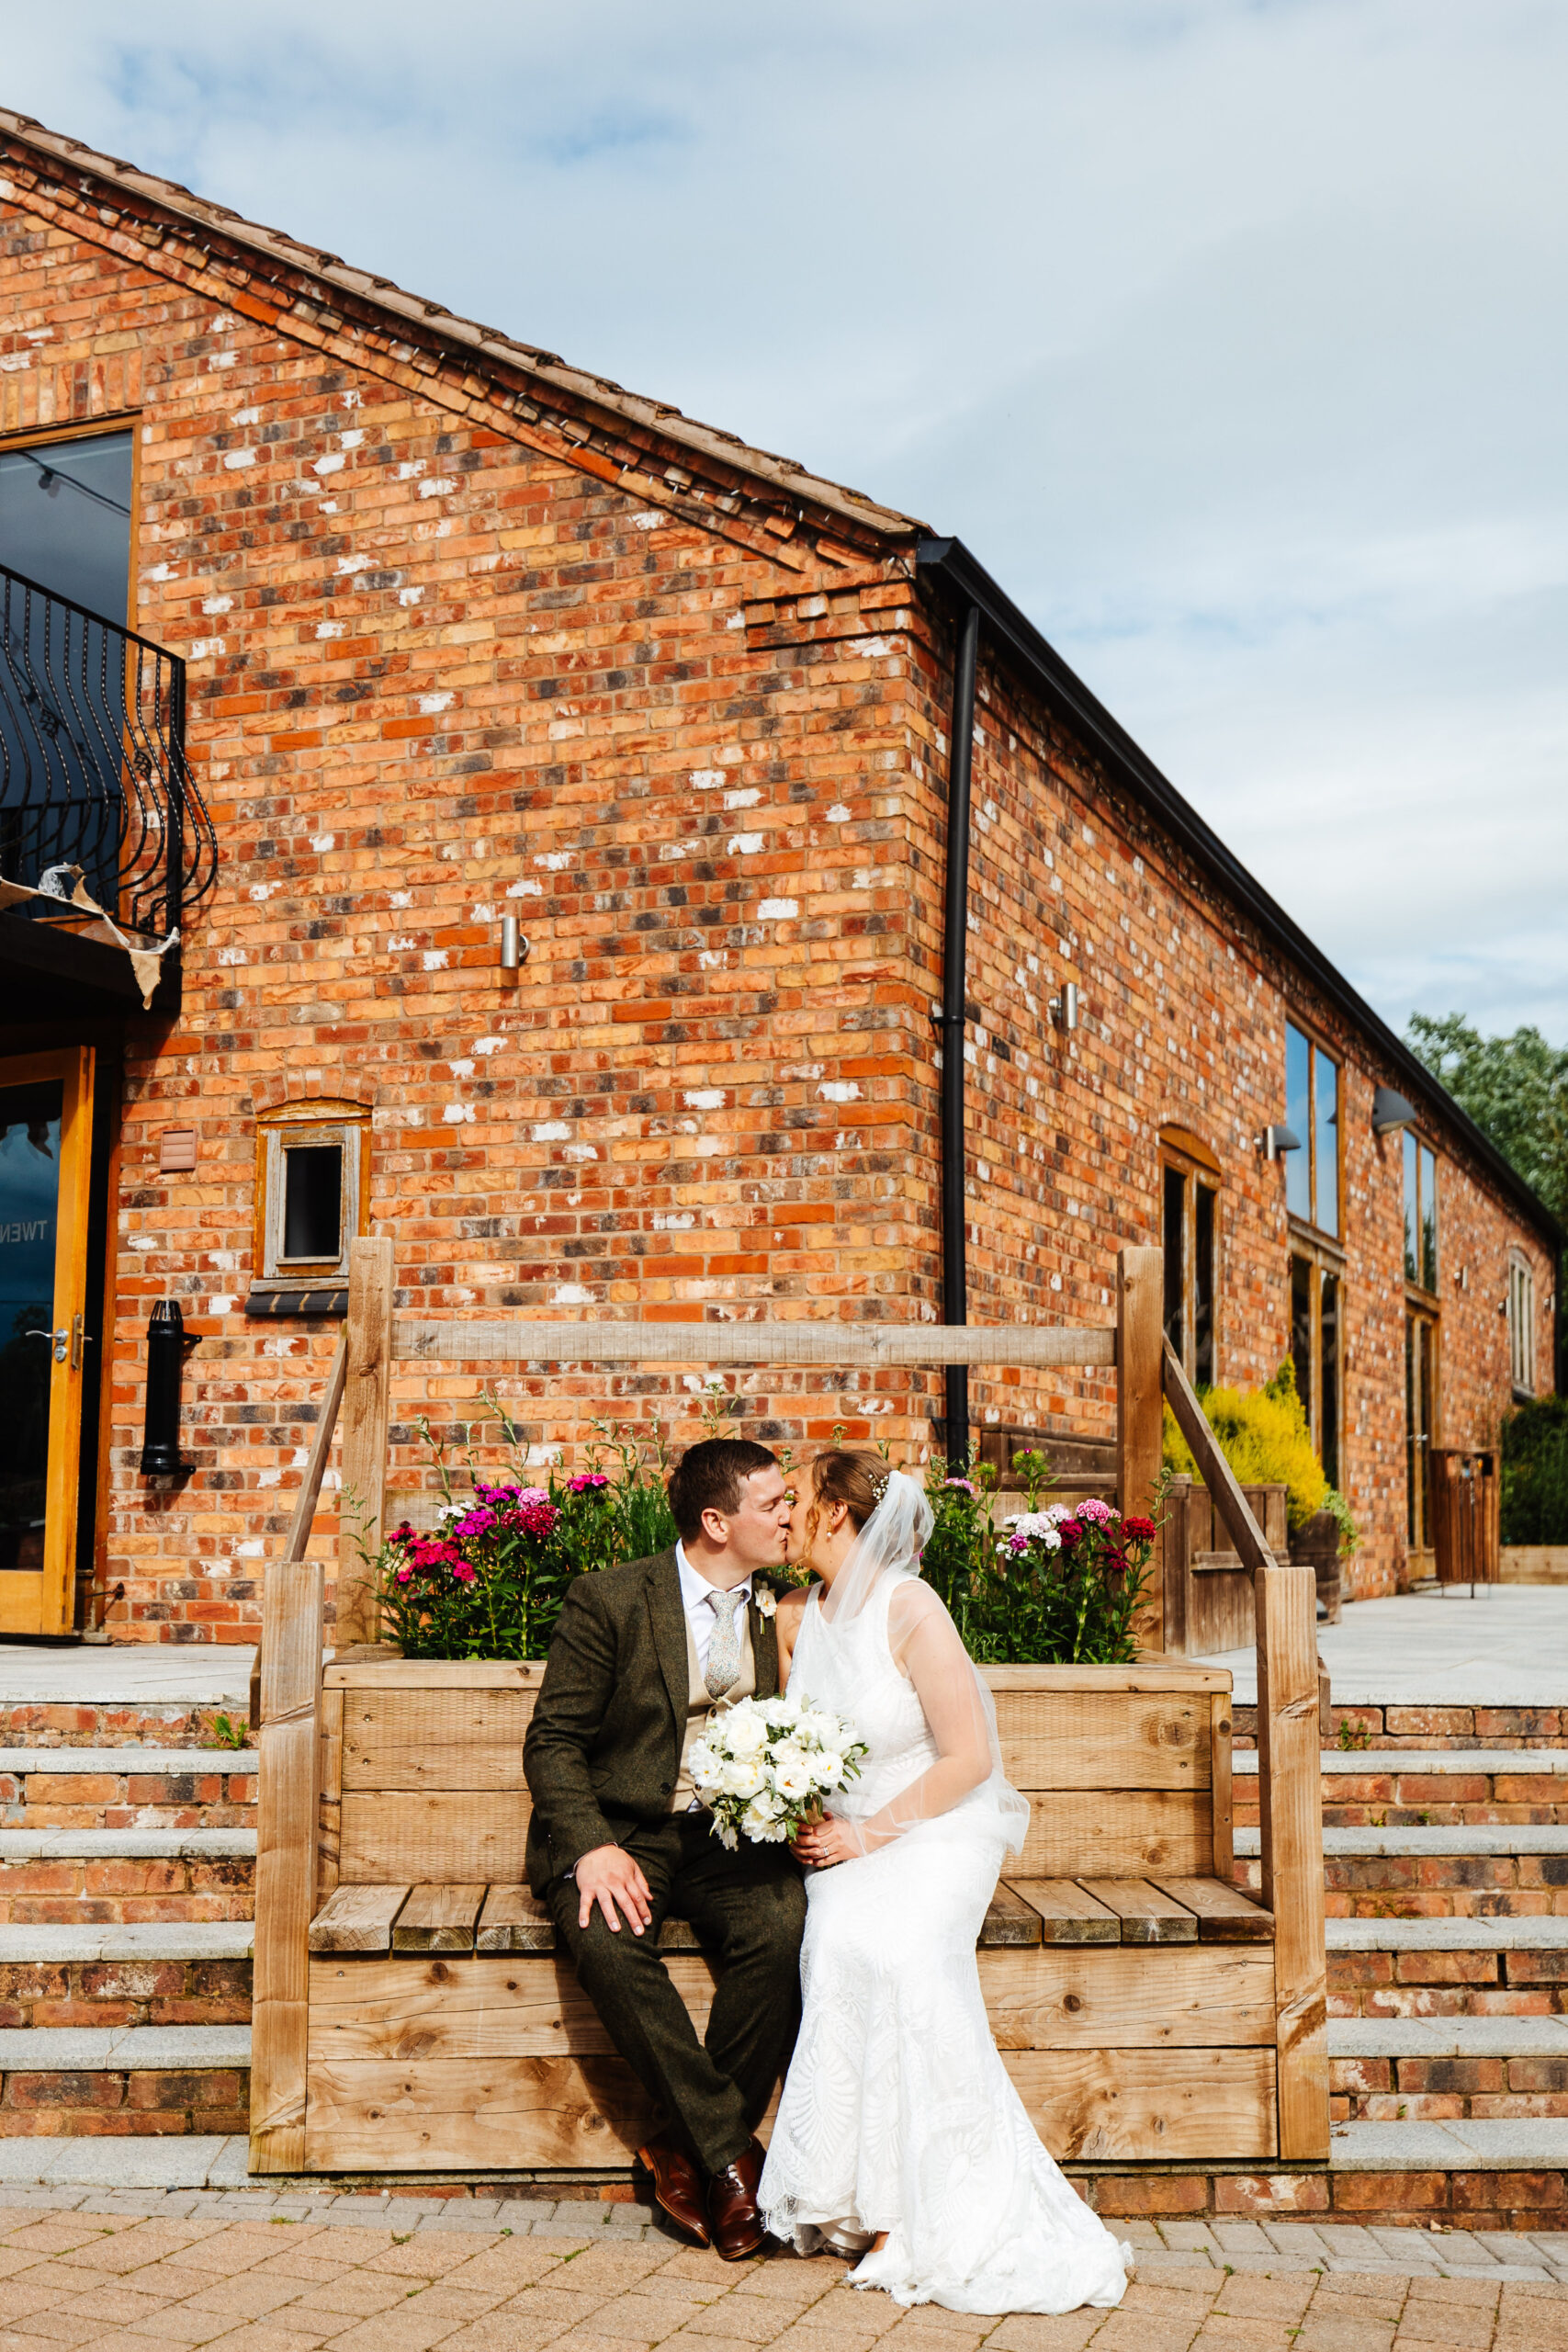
(1515, 1089)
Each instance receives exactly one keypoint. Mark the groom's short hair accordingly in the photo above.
(708, 1478)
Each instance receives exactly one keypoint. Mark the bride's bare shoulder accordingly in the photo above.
(792, 1604)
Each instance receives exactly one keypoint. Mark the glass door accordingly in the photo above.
(1420, 1427)
(46, 1118)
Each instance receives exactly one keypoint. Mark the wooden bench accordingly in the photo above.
(411, 2012)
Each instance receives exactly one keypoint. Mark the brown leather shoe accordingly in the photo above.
(733, 2217)
(677, 2187)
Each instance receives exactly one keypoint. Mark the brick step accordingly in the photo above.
(1472, 1869)
(1390, 1788)
(83, 1876)
(1447, 1967)
(127, 1788)
(97, 2082)
(1531, 2151)
(1396, 1726)
(1390, 2070)
(127, 1723)
(118, 1976)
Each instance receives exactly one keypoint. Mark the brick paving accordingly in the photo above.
(253, 2271)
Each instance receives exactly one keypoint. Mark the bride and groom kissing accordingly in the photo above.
(847, 1959)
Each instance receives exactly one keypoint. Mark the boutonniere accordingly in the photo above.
(767, 1606)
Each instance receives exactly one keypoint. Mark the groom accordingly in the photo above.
(619, 1841)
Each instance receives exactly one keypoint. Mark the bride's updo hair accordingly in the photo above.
(848, 1476)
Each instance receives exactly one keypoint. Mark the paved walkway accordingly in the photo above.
(249, 2271)
(1509, 1648)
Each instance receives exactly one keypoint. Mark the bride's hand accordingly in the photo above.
(822, 1843)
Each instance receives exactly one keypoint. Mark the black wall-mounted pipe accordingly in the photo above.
(165, 1363)
(952, 1022)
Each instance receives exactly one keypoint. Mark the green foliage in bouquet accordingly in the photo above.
(1052, 1587)
(490, 1580)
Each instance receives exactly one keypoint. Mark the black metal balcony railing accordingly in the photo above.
(93, 761)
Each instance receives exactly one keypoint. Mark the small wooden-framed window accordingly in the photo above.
(1522, 1324)
(1420, 1214)
(1190, 1231)
(1311, 1113)
(312, 1201)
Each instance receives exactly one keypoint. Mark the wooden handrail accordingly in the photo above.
(310, 1494)
(1289, 1784)
(856, 1345)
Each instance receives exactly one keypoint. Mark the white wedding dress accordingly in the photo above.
(897, 2113)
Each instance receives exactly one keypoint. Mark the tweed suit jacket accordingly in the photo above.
(603, 1746)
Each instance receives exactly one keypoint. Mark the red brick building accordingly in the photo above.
(468, 634)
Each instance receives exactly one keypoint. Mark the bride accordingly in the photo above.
(900, 2136)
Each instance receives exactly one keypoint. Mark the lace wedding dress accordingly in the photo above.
(897, 2113)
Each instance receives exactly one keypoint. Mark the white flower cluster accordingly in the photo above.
(1037, 1527)
(764, 1766)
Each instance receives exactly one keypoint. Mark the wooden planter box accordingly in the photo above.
(411, 2012)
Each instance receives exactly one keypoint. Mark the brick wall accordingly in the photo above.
(448, 661)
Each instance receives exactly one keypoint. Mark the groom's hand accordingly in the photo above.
(608, 1876)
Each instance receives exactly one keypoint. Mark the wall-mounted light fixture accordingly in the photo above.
(1063, 1009)
(514, 946)
(1275, 1140)
(167, 1345)
(1391, 1112)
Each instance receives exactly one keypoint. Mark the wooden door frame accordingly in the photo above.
(51, 1589)
(1421, 1307)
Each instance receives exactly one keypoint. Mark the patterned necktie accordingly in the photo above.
(724, 1649)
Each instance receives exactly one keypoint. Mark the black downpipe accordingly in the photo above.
(952, 1022)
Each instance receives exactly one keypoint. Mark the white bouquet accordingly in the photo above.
(764, 1766)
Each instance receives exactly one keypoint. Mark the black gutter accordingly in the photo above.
(950, 563)
(949, 1021)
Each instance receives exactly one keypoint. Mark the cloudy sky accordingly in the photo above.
(1229, 334)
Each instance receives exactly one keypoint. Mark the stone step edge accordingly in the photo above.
(1509, 1761)
(125, 1845)
(1534, 1934)
(1457, 2037)
(121, 2050)
(45, 1945)
(1528, 2143)
(160, 1763)
(1463, 1839)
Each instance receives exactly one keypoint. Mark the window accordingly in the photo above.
(1317, 1291)
(1189, 1196)
(1311, 1112)
(1420, 1427)
(1420, 1213)
(1521, 1325)
(65, 509)
(312, 1188)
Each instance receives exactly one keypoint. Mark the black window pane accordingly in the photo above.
(1428, 1220)
(312, 1201)
(1203, 1289)
(1174, 1271)
(1298, 1118)
(66, 519)
(1328, 1443)
(1300, 1330)
(1325, 1091)
(1412, 1431)
(1412, 1214)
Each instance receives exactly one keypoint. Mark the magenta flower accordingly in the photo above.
(1096, 1513)
(587, 1482)
(964, 1483)
(463, 1572)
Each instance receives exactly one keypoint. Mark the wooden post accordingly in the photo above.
(1290, 1770)
(310, 1494)
(1140, 1291)
(369, 1340)
(290, 1776)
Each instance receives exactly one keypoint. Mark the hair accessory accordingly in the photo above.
(879, 1486)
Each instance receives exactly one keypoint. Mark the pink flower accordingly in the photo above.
(463, 1572)
(1096, 1513)
(1070, 1530)
(964, 1483)
(403, 1575)
(587, 1482)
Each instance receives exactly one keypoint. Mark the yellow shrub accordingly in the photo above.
(1264, 1437)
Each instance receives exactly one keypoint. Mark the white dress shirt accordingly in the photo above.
(697, 1599)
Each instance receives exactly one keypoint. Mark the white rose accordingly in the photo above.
(762, 1825)
(821, 1728)
(790, 1756)
(705, 1764)
(794, 1781)
(829, 1769)
(745, 1732)
(742, 1778)
(779, 1714)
